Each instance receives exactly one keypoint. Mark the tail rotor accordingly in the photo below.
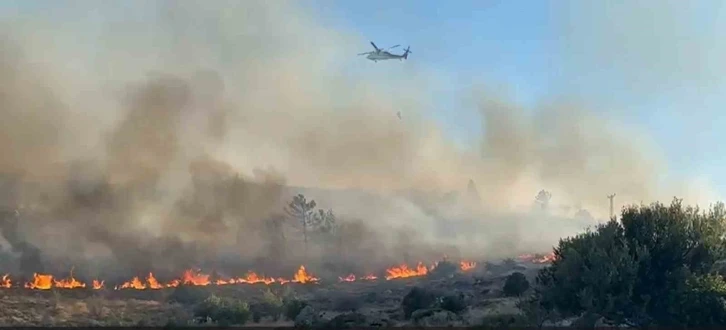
(406, 52)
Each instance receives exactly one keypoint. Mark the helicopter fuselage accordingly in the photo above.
(383, 55)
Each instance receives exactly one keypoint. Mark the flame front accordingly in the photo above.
(403, 271)
(40, 282)
(538, 259)
(467, 265)
(6, 282)
(349, 278)
(197, 278)
(135, 283)
(69, 283)
(301, 276)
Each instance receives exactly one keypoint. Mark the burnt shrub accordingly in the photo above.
(346, 303)
(223, 311)
(443, 269)
(515, 285)
(504, 321)
(417, 298)
(292, 307)
(453, 302)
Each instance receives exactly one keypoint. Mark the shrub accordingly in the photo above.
(454, 303)
(515, 285)
(415, 299)
(188, 294)
(504, 321)
(223, 311)
(650, 269)
(443, 269)
(346, 303)
(292, 308)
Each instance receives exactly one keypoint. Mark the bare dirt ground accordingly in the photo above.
(364, 303)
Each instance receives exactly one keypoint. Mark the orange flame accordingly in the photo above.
(467, 265)
(538, 259)
(135, 283)
(69, 283)
(6, 282)
(349, 278)
(253, 278)
(153, 283)
(195, 278)
(301, 276)
(403, 271)
(40, 282)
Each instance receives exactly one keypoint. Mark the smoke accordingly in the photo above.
(166, 138)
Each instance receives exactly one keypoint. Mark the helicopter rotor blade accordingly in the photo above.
(392, 47)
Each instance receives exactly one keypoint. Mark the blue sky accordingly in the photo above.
(652, 64)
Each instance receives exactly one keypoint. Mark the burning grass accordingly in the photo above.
(198, 278)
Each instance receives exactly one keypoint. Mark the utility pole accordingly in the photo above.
(612, 214)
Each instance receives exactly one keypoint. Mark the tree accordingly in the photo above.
(302, 210)
(653, 268)
(543, 198)
(515, 284)
(324, 222)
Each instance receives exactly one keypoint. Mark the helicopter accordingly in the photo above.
(383, 54)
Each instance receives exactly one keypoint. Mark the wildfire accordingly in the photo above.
(197, 278)
(69, 283)
(402, 271)
(353, 278)
(253, 278)
(40, 281)
(135, 283)
(537, 258)
(301, 276)
(6, 282)
(466, 265)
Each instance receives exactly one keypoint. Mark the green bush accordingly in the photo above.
(292, 307)
(188, 294)
(653, 268)
(417, 298)
(515, 285)
(223, 311)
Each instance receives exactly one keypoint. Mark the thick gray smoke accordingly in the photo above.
(169, 136)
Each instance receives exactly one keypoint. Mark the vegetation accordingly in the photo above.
(454, 303)
(543, 199)
(515, 284)
(302, 210)
(347, 303)
(187, 294)
(656, 267)
(223, 311)
(417, 298)
(292, 307)
(271, 306)
(444, 268)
